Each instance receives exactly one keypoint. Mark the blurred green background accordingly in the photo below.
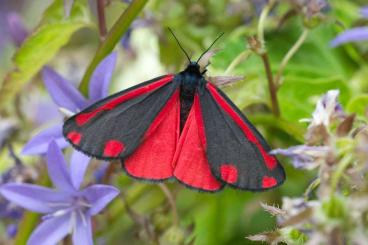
(229, 216)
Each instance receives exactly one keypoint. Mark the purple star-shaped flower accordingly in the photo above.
(355, 34)
(67, 209)
(69, 99)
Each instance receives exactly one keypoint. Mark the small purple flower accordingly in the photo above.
(66, 209)
(327, 109)
(69, 99)
(356, 34)
(11, 230)
(18, 32)
(364, 12)
(305, 157)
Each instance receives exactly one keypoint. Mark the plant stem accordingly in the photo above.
(171, 200)
(112, 38)
(271, 85)
(262, 20)
(101, 19)
(290, 54)
(238, 59)
(261, 50)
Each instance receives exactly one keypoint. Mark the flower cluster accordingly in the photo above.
(336, 144)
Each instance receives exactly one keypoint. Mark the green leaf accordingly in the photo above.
(358, 105)
(42, 45)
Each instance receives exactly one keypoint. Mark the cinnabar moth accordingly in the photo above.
(177, 126)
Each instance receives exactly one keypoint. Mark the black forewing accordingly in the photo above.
(233, 158)
(116, 133)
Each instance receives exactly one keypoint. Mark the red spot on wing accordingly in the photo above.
(153, 158)
(113, 148)
(268, 182)
(191, 164)
(229, 173)
(74, 137)
(83, 118)
(270, 161)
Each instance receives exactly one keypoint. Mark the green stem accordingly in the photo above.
(170, 197)
(112, 38)
(238, 59)
(289, 55)
(262, 20)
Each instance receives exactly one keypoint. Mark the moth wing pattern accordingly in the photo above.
(114, 127)
(236, 151)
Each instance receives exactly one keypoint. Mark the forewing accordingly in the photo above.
(236, 151)
(113, 127)
(153, 158)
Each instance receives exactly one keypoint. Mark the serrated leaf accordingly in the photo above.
(42, 45)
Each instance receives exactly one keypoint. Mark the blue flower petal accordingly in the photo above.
(82, 233)
(32, 197)
(78, 166)
(99, 196)
(352, 35)
(62, 91)
(57, 169)
(50, 231)
(39, 144)
(101, 77)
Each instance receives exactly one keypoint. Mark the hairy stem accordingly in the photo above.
(101, 19)
(289, 55)
(271, 85)
(112, 38)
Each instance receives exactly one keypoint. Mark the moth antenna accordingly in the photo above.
(208, 49)
(181, 47)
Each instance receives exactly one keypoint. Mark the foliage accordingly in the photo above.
(293, 36)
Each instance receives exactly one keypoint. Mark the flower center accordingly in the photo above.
(77, 204)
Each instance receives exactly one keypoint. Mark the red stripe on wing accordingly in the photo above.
(270, 161)
(191, 164)
(153, 159)
(83, 118)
